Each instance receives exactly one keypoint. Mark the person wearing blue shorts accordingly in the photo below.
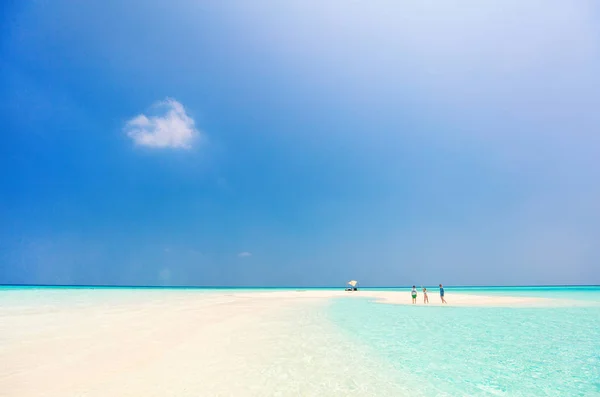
(442, 293)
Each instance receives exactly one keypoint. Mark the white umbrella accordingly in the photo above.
(353, 283)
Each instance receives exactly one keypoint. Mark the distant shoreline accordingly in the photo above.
(287, 287)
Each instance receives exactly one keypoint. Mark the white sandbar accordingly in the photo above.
(191, 344)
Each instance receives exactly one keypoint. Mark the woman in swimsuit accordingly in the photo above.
(425, 297)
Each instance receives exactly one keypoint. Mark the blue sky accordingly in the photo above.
(304, 142)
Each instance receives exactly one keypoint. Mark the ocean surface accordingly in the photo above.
(425, 351)
(491, 351)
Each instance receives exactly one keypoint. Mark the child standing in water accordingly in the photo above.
(442, 294)
(425, 297)
(414, 294)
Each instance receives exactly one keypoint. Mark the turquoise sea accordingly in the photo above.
(491, 351)
(429, 351)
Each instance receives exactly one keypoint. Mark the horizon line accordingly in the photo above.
(276, 287)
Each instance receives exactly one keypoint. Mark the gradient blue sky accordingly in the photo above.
(300, 142)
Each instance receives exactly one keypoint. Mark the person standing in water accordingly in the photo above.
(425, 297)
(442, 293)
(414, 294)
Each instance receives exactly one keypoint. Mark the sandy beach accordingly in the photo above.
(182, 343)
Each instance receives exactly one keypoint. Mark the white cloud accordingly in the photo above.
(169, 127)
(244, 254)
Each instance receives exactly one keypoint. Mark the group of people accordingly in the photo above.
(413, 293)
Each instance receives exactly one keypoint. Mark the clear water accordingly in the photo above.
(422, 351)
(586, 293)
(465, 351)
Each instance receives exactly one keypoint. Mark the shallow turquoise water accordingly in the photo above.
(430, 351)
(586, 293)
(463, 351)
